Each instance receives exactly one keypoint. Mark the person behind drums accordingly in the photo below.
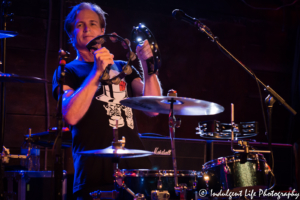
(92, 107)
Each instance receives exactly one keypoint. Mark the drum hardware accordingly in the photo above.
(159, 183)
(145, 181)
(173, 123)
(5, 155)
(116, 151)
(258, 165)
(138, 35)
(173, 105)
(246, 169)
(206, 179)
(160, 195)
(119, 180)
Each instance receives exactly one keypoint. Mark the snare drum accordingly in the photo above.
(161, 183)
(236, 173)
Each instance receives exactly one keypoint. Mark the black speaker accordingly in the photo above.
(190, 153)
(283, 159)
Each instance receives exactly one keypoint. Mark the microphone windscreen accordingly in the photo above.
(178, 14)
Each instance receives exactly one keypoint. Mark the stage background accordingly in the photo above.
(263, 38)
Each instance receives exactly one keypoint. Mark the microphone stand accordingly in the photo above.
(203, 28)
(270, 100)
(58, 164)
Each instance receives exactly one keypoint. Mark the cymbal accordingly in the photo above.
(119, 153)
(181, 106)
(5, 77)
(47, 138)
(7, 34)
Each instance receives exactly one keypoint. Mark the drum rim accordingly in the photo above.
(220, 161)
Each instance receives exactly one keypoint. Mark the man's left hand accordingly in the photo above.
(144, 51)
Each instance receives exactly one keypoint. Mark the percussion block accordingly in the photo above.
(24, 185)
(190, 153)
(283, 159)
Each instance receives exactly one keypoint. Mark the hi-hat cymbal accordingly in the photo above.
(5, 77)
(118, 153)
(7, 34)
(181, 106)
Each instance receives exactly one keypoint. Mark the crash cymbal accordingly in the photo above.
(7, 34)
(181, 106)
(5, 77)
(119, 153)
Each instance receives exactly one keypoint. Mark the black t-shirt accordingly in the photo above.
(94, 130)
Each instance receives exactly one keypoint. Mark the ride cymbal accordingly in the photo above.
(181, 105)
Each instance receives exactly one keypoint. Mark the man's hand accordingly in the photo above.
(102, 58)
(144, 51)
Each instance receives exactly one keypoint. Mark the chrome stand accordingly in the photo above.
(175, 123)
(119, 176)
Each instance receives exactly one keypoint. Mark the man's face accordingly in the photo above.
(86, 27)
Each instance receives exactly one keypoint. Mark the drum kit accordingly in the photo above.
(246, 169)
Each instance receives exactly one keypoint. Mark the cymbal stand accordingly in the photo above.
(119, 176)
(175, 123)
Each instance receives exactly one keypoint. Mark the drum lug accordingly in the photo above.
(206, 178)
(226, 167)
(119, 178)
(181, 190)
(258, 164)
(159, 184)
(139, 197)
(195, 183)
(267, 168)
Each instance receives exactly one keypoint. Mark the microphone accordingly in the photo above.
(180, 15)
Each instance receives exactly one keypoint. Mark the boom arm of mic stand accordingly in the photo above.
(203, 28)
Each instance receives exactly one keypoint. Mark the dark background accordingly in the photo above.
(261, 34)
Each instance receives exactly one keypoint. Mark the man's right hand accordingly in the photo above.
(102, 58)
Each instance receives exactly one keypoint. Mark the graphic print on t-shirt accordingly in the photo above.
(112, 95)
